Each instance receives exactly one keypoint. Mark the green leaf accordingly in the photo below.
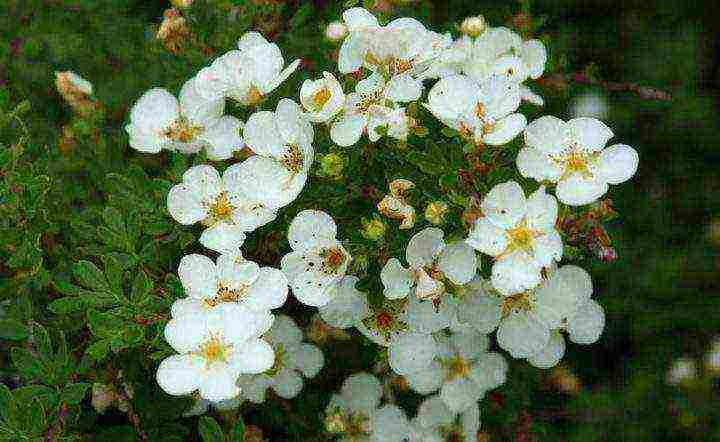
(90, 276)
(73, 394)
(13, 330)
(113, 272)
(103, 325)
(141, 287)
(97, 351)
(66, 306)
(35, 418)
(28, 364)
(41, 339)
(47, 396)
(238, 431)
(210, 430)
(7, 403)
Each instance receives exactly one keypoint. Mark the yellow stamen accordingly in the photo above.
(321, 97)
(182, 131)
(333, 259)
(220, 210)
(253, 97)
(293, 159)
(457, 367)
(214, 351)
(518, 302)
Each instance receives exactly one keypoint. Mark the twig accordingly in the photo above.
(646, 93)
(56, 430)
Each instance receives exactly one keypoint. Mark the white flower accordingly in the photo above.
(293, 360)
(357, 21)
(431, 261)
(394, 205)
(348, 307)
(336, 31)
(282, 141)
(574, 156)
(318, 261)
(201, 406)
(247, 74)
(527, 95)
(356, 415)
(463, 370)
(232, 279)
(496, 52)
(322, 98)
(218, 203)
(367, 110)
(534, 56)
(520, 233)
(159, 121)
(529, 323)
(411, 352)
(485, 114)
(215, 348)
(682, 371)
(435, 422)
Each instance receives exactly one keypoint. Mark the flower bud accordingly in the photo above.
(336, 31)
(75, 90)
(332, 165)
(334, 423)
(435, 212)
(374, 230)
(473, 26)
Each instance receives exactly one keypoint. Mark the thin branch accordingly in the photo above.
(558, 81)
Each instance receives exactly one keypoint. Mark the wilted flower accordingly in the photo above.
(395, 206)
(435, 212)
(173, 30)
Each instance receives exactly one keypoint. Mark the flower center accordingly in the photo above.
(220, 210)
(253, 97)
(226, 294)
(515, 303)
(333, 259)
(292, 159)
(576, 162)
(182, 131)
(481, 113)
(399, 66)
(321, 97)
(457, 367)
(521, 238)
(214, 351)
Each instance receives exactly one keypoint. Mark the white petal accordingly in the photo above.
(396, 279)
(346, 131)
(424, 317)
(314, 289)
(460, 393)
(291, 123)
(255, 356)
(505, 130)
(515, 273)
(547, 134)
(348, 307)
(579, 191)
(268, 182)
(618, 163)
(254, 387)
(586, 326)
(361, 392)
(198, 109)
(428, 380)
(388, 424)
(534, 56)
(186, 333)
(487, 238)
(411, 352)
(489, 371)
(576, 281)
(185, 205)
(427, 287)
(504, 205)
(481, 309)
(237, 324)
(452, 96)
(358, 18)
(591, 134)
(542, 210)
(151, 115)
(532, 163)
(181, 374)
(308, 359)
(527, 94)
(205, 181)
(469, 345)
(269, 291)
(470, 421)
(309, 228)
(219, 385)
(403, 88)
(350, 56)
(458, 262)
(223, 238)
(521, 335)
(424, 247)
(261, 134)
(236, 272)
(198, 276)
(287, 383)
(224, 138)
(188, 306)
(433, 412)
(285, 332)
(548, 248)
(551, 354)
(500, 97)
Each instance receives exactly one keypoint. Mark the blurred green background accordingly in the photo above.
(662, 295)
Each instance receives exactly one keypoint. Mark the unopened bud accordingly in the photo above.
(332, 165)
(336, 31)
(374, 230)
(473, 26)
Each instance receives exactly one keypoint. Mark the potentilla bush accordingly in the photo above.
(402, 199)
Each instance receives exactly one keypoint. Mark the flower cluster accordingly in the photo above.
(437, 311)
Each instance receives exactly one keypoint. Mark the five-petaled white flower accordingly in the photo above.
(247, 74)
(214, 349)
(159, 121)
(368, 109)
(322, 98)
(574, 156)
(463, 370)
(519, 233)
(356, 413)
(293, 359)
(218, 203)
(318, 261)
(485, 113)
(529, 323)
(232, 279)
(430, 261)
(282, 141)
